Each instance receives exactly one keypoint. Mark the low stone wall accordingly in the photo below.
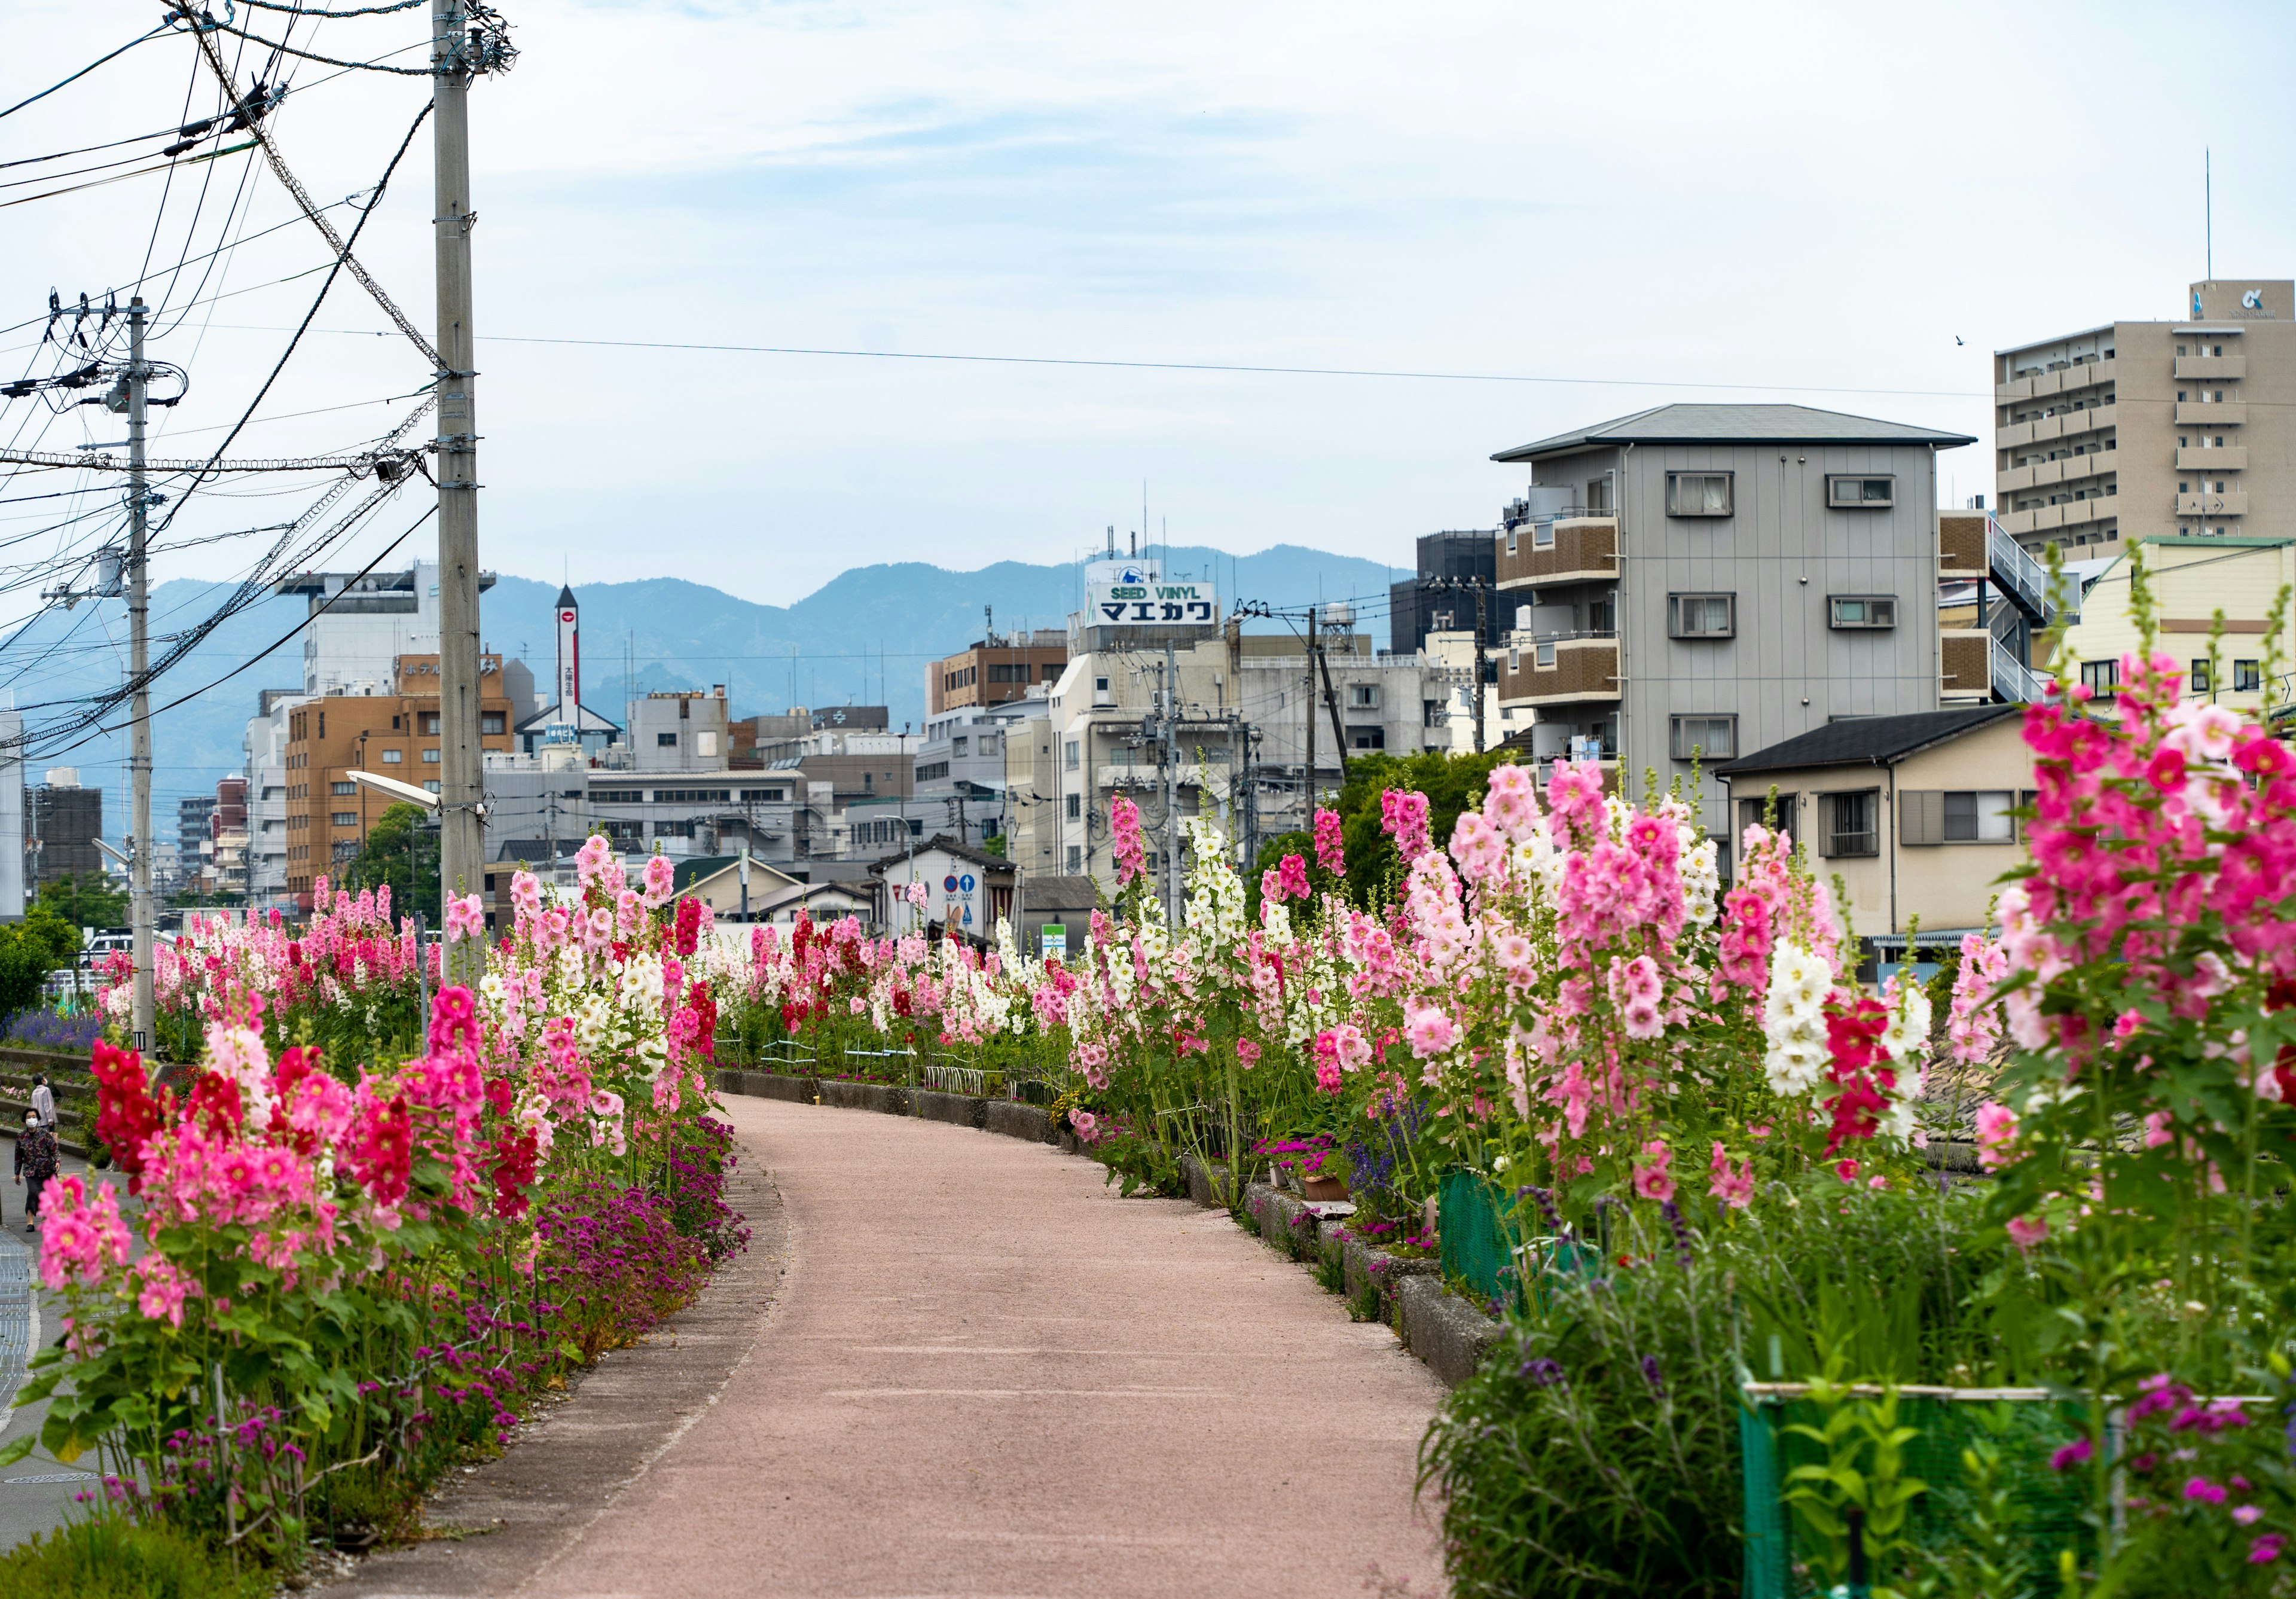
(1451, 1335)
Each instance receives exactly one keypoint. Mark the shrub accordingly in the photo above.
(110, 1557)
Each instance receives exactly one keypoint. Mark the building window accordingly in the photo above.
(1511, 536)
(2200, 684)
(1542, 536)
(1702, 616)
(1076, 859)
(1861, 494)
(1862, 611)
(1363, 696)
(1982, 818)
(491, 721)
(428, 722)
(1543, 653)
(1710, 738)
(764, 794)
(1075, 807)
(931, 770)
(1052, 672)
(665, 741)
(1698, 493)
(1753, 813)
(1072, 752)
(1514, 658)
(429, 758)
(1851, 821)
(343, 788)
(2247, 677)
(346, 849)
(391, 758)
(1366, 738)
(2101, 677)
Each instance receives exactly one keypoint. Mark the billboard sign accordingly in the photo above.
(1138, 598)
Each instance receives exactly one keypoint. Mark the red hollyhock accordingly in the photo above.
(126, 1113)
(513, 1174)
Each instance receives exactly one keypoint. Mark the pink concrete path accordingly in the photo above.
(986, 1374)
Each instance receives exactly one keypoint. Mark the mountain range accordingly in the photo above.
(864, 637)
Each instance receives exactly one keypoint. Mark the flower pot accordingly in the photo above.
(1323, 1188)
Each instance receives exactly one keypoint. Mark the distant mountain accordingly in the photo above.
(866, 637)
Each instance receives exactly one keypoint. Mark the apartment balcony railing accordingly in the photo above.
(1562, 669)
(2232, 457)
(2231, 502)
(2195, 414)
(2046, 474)
(1581, 549)
(2212, 368)
(2070, 513)
(2065, 424)
(2039, 385)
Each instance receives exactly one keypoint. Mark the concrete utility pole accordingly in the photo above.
(1331, 703)
(139, 665)
(1481, 634)
(1314, 652)
(462, 774)
(1172, 901)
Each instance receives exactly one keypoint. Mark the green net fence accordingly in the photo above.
(2023, 1425)
(1481, 1246)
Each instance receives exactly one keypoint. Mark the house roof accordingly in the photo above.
(946, 846)
(1733, 425)
(1867, 741)
(1058, 893)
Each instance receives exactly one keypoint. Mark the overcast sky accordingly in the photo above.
(1639, 199)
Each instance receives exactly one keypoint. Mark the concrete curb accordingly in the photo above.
(1445, 1330)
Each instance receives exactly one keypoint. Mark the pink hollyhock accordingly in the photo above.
(2026, 1231)
(466, 917)
(1996, 1134)
(1734, 1187)
(1293, 873)
(162, 1287)
(659, 874)
(1651, 1178)
(1403, 813)
(1247, 1051)
(78, 1236)
(1431, 1032)
(1125, 842)
(1331, 850)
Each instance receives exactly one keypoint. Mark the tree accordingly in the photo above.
(29, 951)
(87, 900)
(1451, 783)
(401, 852)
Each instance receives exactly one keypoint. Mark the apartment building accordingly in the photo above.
(1440, 596)
(995, 669)
(394, 733)
(62, 820)
(13, 797)
(2192, 581)
(264, 746)
(2144, 429)
(361, 627)
(1696, 581)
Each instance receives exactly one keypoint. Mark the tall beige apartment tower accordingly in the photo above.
(2147, 430)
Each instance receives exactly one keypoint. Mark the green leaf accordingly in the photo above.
(17, 1451)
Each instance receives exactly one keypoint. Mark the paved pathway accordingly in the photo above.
(981, 1375)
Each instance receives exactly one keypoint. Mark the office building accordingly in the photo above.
(1694, 582)
(2132, 430)
(995, 669)
(1440, 596)
(61, 822)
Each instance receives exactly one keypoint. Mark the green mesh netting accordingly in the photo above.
(1776, 1565)
(1479, 1241)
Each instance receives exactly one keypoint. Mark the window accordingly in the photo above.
(1849, 822)
(764, 794)
(429, 758)
(618, 796)
(344, 788)
(427, 720)
(1100, 685)
(1542, 536)
(1861, 494)
(1708, 738)
(1702, 616)
(2200, 680)
(345, 818)
(1752, 812)
(1075, 807)
(1863, 611)
(960, 746)
(1071, 751)
(2247, 677)
(1511, 536)
(932, 769)
(1051, 671)
(665, 741)
(1366, 738)
(491, 721)
(1363, 696)
(1543, 653)
(1980, 817)
(1698, 493)
(1076, 859)
(346, 849)
(391, 758)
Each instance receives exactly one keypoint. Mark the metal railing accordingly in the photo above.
(2012, 680)
(2020, 576)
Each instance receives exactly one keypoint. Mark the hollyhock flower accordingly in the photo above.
(1403, 813)
(1247, 1052)
(1430, 1031)
(2203, 1491)
(1652, 1180)
(2267, 1548)
(1331, 850)
(2076, 1453)
(1996, 1134)
(2026, 1231)
(658, 876)
(1735, 1187)
(1125, 842)
(466, 917)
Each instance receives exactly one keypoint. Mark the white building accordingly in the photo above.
(265, 747)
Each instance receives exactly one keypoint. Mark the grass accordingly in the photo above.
(109, 1558)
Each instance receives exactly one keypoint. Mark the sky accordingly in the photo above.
(1845, 206)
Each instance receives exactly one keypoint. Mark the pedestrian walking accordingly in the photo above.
(36, 1162)
(44, 1101)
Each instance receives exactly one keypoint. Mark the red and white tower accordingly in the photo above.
(569, 709)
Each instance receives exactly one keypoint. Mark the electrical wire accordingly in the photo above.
(210, 25)
(84, 71)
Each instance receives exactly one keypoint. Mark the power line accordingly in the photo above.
(84, 71)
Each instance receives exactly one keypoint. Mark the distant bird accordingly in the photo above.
(1956, 338)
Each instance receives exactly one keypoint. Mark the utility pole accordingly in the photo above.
(460, 770)
(141, 918)
(1315, 649)
(1331, 699)
(1171, 789)
(1481, 635)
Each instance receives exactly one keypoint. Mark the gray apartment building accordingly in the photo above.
(2149, 430)
(1695, 582)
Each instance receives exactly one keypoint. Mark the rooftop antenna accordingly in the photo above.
(1111, 541)
(1134, 539)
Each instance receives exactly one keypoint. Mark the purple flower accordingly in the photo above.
(2202, 1488)
(2076, 1453)
(1541, 1372)
(1651, 1373)
(2265, 1549)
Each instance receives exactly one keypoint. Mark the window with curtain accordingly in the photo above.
(1698, 493)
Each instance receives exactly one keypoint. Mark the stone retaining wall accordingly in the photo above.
(1451, 1335)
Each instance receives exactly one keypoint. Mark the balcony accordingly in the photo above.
(2072, 513)
(2232, 502)
(2085, 375)
(2065, 424)
(2193, 414)
(1562, 669)
(2212, 368)
(2233, 458)
(2043, 474)
(1580, 549)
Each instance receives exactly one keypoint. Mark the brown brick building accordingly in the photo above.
(996, 670)
(395, 734)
